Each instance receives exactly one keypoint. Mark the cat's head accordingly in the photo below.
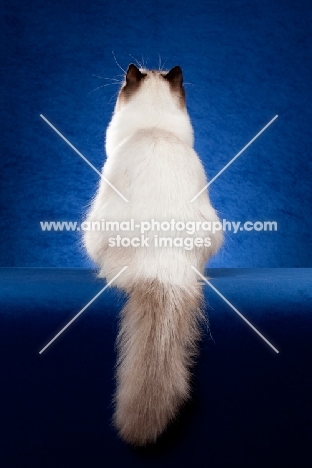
(151, 87)
(150, 99)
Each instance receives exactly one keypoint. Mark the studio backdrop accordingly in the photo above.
(246, 64)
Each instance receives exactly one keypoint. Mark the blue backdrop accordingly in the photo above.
(246, 61)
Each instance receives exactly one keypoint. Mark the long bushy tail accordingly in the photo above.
(159, 329)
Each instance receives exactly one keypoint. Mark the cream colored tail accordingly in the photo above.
(159, 329)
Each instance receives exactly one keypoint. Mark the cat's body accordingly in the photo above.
(150, 160)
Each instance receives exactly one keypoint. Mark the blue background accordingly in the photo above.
(246, 61)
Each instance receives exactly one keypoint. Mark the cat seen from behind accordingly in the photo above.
(152, 163)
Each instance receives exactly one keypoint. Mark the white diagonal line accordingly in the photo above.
(84, 158)
(235, 157)
(234, 308)
(82, 310)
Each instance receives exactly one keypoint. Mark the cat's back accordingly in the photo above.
(162, 173)
(158, 161)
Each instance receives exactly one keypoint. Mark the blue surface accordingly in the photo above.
(251, 407)
(246, 61)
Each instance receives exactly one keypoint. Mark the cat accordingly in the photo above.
(152, 163)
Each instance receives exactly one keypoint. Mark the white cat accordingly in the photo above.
(151, 161)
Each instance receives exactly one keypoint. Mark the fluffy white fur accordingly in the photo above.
(151, 161)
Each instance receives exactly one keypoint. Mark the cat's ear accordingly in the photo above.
(133, 75)
(175, 76)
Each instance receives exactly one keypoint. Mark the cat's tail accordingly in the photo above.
(159, 329)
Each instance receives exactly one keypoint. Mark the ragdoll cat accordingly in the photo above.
(152, 163)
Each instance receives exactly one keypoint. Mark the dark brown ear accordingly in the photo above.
(133, 76)
(175, 76)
